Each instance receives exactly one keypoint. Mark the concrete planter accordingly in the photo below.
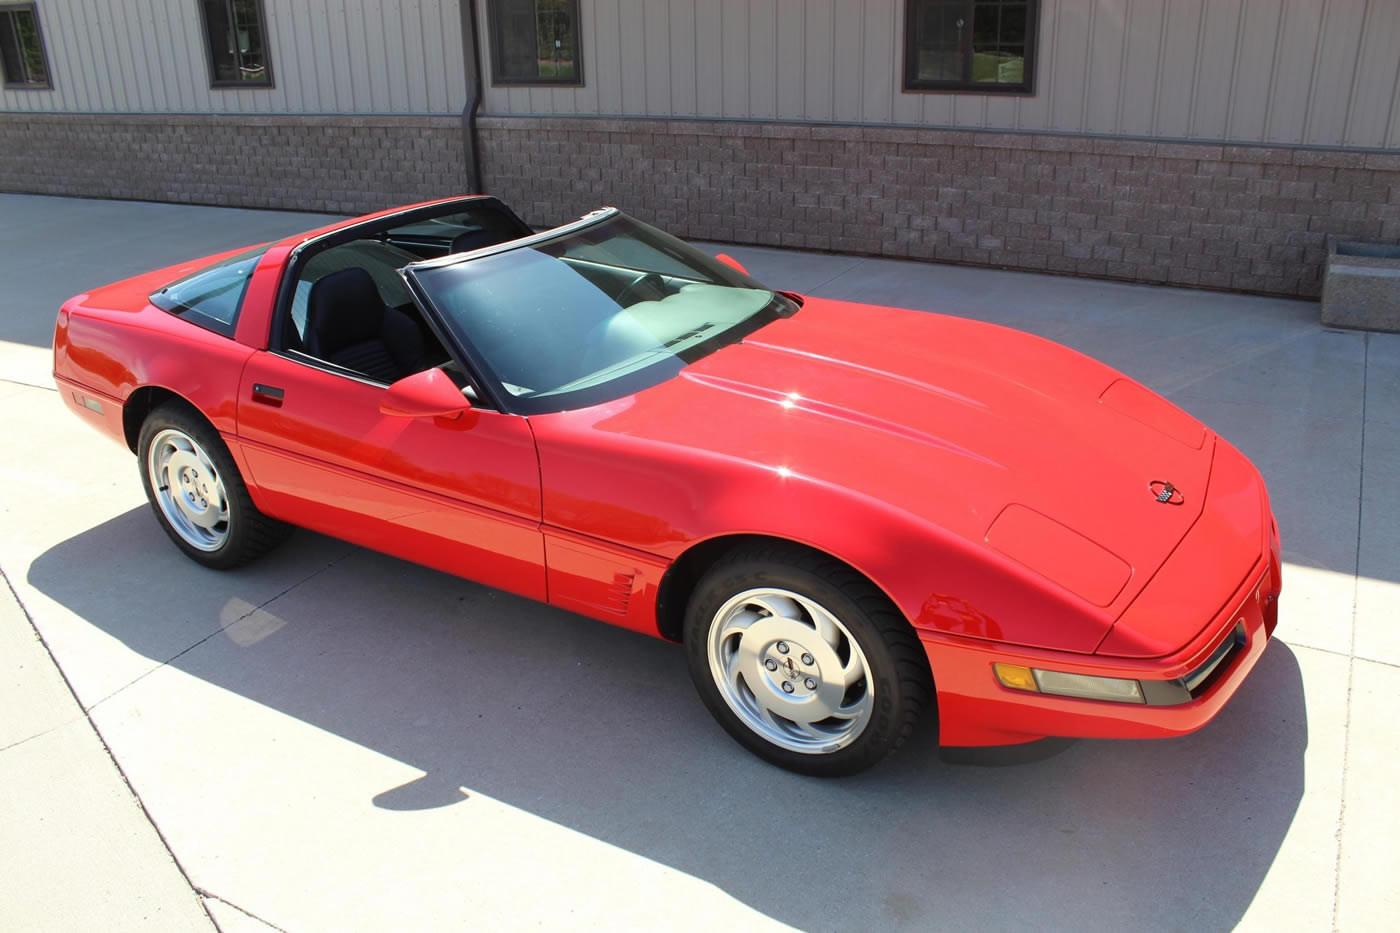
(1362, 285)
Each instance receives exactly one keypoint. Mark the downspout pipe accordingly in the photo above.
(471, 52)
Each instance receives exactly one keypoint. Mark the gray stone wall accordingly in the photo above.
(1251, 218)
(341, 164)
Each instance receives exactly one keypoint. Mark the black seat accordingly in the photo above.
(348, 324)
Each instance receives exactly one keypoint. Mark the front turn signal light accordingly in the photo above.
(1085, 687)
(1057, 683)
(1016, 677)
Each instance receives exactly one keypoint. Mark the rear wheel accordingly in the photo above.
(196, 492)
(803, 661)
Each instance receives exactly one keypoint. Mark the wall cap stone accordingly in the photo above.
(1044, 140)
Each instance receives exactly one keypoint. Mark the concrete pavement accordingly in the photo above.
(77, 851)
(335, 740)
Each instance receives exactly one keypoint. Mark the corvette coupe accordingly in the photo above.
(855, 519)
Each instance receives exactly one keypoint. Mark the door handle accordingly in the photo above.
(268, 395)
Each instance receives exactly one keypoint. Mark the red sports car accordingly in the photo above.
(847, 514)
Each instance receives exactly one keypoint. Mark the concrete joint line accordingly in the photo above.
(126, 781)
(1343, 654)
(29, 738)
(209, 895)
(1168, 389)
(1351, 663)
(29, 385)
(220, 630)
(813, 289)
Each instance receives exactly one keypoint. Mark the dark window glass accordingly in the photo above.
(22, 47)
(970, 45)
(213, 296)
(535, 42)
(236, 32)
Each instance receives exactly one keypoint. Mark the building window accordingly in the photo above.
(534, 42)
(22, 47)
(970, 45)
(236, 32)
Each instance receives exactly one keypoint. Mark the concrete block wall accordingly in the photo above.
(340, 164)
(1251, 218)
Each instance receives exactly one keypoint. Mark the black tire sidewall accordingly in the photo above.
(885, 729)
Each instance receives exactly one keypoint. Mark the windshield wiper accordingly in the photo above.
(689, 334)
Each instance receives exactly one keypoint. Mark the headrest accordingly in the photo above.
(343, 309)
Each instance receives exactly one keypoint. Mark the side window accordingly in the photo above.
(22, 47)
(211, 297)
(380, 260)
(350, 308)
(235, 32)
(984, 46)
(344, 307)
(534, 42)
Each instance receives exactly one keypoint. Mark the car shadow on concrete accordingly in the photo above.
(599, 730)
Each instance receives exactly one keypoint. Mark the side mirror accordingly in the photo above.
(732, 263)
(429, 394)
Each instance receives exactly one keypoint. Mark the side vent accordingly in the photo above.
(620, 593)
(599, 580)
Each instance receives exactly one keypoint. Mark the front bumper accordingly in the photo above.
(974, 709)
(1183, 691)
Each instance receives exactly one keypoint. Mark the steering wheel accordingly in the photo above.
(645, 280)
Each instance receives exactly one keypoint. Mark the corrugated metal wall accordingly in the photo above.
(328, 56)
(1318, 72)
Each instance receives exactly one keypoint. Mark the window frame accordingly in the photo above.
(214, 82)
(496, 39)
(295, 263)
(913, 83)
(192, 313)
(5, 82)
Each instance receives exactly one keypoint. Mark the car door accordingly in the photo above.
(457, 493)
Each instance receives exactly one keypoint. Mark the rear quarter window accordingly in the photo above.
(213, 296)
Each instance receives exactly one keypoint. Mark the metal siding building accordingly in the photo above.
(328, 57)
(1297, 72)
(1202, 142)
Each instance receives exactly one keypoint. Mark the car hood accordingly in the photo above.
(1010, 441)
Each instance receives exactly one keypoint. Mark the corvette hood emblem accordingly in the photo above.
(1165, 493)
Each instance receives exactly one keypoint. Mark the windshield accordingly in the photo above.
(594, 313)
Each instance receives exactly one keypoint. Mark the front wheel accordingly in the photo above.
(803, 661)
(196, 492)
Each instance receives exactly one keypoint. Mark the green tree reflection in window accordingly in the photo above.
(535, 42)
(236, 33)
(22, 47)
(969, 45)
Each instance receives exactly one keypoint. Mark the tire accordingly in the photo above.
(828, 682)
(196, 492)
